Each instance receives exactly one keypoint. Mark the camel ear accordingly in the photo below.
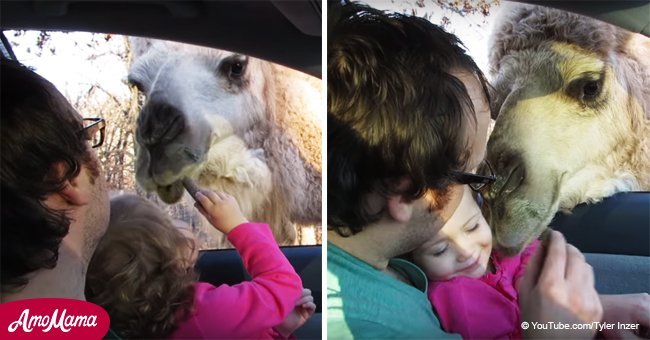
(399, 209)
(139, 45)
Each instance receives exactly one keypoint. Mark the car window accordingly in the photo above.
(92, 71)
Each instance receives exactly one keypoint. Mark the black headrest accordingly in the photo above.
(619, 224)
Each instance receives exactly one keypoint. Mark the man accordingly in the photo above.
(54, 198)
(407, 108)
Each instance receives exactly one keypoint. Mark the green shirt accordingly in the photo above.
(363, 302)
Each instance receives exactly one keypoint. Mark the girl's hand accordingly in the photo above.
(305, 308)
(221, 209)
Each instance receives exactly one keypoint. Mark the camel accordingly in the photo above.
(232, 123)
(572, 110)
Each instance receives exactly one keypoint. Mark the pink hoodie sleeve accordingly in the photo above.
(248, 309)
(470, 308)
(525, 257)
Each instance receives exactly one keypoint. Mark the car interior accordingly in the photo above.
(283, 32)
(614, 235)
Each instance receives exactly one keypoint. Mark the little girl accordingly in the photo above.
(472, 287)
(142, 273)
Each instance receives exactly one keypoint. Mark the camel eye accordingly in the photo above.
(236, 69)
(590, 90)
(585, 89)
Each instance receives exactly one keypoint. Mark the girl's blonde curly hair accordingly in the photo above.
(141, 272)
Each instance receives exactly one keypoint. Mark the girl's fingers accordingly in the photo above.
(305, 299)
(203, 199)
(200, 209)
(214, 196)
(218, 196)
(310, 307)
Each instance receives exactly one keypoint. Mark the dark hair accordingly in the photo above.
(138, 274)
(393, 109)
(39, 128)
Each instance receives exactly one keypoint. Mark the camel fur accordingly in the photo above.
(572, 110)
(233, 123)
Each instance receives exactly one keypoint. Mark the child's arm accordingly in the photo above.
(304, 309)
(627, 309)
(250, 308)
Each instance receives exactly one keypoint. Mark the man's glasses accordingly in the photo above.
(93, 131)
(477, 182)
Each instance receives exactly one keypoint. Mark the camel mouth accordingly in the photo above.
(172, 193)
(510, 247)
(517, 221)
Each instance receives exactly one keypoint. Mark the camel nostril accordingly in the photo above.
(174, 128)
(515, 178)
(510, 172)
(162, 122)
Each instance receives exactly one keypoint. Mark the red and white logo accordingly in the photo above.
(52, 318)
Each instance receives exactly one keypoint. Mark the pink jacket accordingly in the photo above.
(249, 309)
(483, 308)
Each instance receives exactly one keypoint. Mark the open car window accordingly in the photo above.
(96, 72)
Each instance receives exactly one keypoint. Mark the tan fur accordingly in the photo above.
(573, 150)
(270, 159)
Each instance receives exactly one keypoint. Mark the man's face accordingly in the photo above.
(98, 211)
(92, 181)
(425, 223)
(476, 132)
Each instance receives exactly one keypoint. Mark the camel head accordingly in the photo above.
(198, 100)
(571, 123)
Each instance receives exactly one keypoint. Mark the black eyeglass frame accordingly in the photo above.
(475, 182)
(98, 124)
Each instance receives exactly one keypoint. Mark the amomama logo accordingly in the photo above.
(51, 318)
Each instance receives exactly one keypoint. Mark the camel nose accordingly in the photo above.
(510, 172)
(160, 122)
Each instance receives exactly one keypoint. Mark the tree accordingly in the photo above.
(442, 12)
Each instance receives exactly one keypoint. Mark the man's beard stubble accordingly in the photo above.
(426, 220)
(98, 211)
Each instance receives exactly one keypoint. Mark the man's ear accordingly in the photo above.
(399, 209)
(73, 191)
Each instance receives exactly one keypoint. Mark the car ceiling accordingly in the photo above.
(285, 32)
